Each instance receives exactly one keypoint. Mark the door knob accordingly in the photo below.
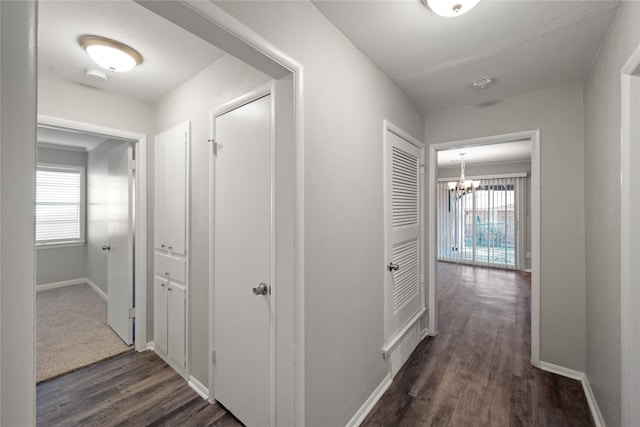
(393, 267)
(261, 289)
(106, 247)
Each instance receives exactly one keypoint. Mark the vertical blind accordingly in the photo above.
(485, 227)
(58, 204)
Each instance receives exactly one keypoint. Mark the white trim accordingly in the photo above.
(54, 285)
(198, 387)
(151, 345)
(534, 136)
(97, 290)
(561, 370)
(140, 232)
(59, 245)
(495, 176)
(629, 237)
(386, 350)
(588, 392)
(73, 282)
(371, 401)
(593, 404)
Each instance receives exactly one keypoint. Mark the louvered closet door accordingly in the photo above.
(403, 287)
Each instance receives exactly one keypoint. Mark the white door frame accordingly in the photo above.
(629, 238)
(534, 136)
(212, 24)
(140, 203)
(254, 95)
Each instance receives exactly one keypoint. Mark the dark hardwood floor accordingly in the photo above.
(476, 371)
(133, 389)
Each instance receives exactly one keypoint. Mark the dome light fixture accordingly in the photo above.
(111, 54)
(450, 8)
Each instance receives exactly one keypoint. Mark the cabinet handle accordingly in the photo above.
(166, 274)
(162, 246)
(170, 289)
(170, 247)
(162, 285)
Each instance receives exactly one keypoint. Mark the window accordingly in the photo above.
(60, 204)
(485, 227)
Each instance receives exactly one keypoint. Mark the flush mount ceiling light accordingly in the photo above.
(449, 8)
(111, 54)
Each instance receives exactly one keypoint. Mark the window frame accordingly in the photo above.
(43, 244)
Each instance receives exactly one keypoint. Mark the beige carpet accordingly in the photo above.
(72, 331)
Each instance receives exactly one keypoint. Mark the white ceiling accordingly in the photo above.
(83, 141)
(524, 45)
(515, 151)
(170, 54)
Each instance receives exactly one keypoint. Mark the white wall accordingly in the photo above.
(57, 264)
(557, 112)
(17, 230)
(222, 81)
(602, 205)
(97, 231)
(346, 99)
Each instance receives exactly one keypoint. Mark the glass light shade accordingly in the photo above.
(449, 8)
(110, 54)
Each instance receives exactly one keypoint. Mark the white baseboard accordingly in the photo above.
(593, 404)
(582, 377)
(561, 370)
(368, 405)
(151, 345)
(80, 281)
(397, 338)
(97, 289)
(198, 387)
(62, 284)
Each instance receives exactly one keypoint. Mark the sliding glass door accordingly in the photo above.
(486, 226)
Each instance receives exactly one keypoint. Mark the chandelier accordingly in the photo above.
(464, 186)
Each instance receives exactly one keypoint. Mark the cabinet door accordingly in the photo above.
(160, 313)
(176, 332)
(160, 191)
(177, 189)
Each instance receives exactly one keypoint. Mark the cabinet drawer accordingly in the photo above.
(171, 267)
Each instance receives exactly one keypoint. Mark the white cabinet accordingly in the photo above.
(169, 321)
(170, 190)
(171, 153)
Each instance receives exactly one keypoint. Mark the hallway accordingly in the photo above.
(476, 371)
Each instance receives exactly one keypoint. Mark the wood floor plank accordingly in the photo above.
(476, 371)
(133, 389)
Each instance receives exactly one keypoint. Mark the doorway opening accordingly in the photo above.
(476, 231)
(90, 248)
(113, 252)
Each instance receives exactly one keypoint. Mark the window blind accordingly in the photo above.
(59, 204)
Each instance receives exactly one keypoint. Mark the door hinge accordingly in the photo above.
(423, 168)
(132, 165)
(215, 146)
(132, 313)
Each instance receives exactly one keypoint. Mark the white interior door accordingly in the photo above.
(403, 284)
(242, 261)
(120, 229)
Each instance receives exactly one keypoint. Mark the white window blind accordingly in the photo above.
(59, 204)
(485, 227)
